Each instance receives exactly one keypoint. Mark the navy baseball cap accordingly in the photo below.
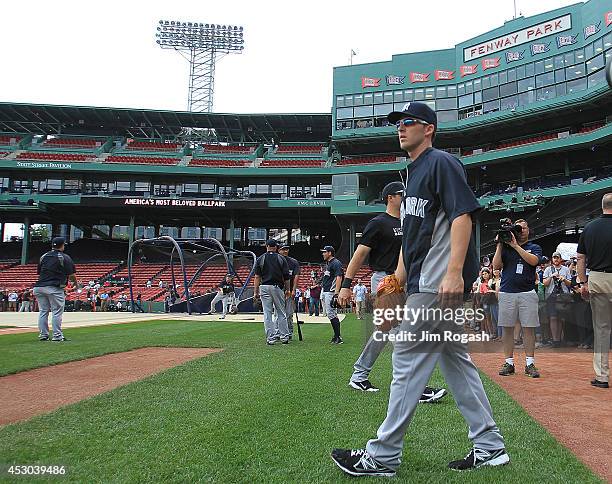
(272, 243)
(329, 248)
(58, 242)
(392, 188)
(285, 246)
(415, 110)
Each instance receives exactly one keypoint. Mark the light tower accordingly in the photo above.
(201, 44)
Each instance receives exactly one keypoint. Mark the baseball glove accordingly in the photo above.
(389, 295)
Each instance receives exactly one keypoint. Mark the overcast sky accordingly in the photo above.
(104, 53)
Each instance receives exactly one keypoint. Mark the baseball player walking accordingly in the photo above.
(438, 270)
(381, 242)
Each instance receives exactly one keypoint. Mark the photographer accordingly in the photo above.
(557, 281)
(518, 299)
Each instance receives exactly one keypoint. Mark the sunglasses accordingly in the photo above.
(409, 122)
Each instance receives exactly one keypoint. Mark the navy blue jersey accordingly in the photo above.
(436, 194)
(53, 269)
(517, 275)
(294, 269)
(333, 270)
(273, 269)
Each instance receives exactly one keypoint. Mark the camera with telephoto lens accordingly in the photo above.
(506, 229)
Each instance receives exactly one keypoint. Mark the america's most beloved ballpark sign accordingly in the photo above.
(528, 34)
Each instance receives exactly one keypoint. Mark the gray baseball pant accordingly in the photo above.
(372, 349)
(327, 299)
(413, 364)
(273, 300)
(50, 299)
(289, 313)
(225, 302)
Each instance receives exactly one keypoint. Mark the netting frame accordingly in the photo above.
(179, 246)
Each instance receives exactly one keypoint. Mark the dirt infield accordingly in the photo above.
(578, 415)
(34, 392)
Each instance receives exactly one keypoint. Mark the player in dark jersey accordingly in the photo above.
(330, 286)
(381, 243)
(438, 262)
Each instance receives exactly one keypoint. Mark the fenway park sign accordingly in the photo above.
(529, 34)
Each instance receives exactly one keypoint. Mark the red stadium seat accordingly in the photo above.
(218, 162)
(46, 156)
(153, 146)
(287, 163)
(142, 160)
(368, 160)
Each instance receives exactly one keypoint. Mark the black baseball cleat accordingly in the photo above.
(600, 384)
(480, 457)
(357, 462)
(532, 371)
(507, 369)
(364, 386)
(432, 395)
(43, 338)
(62, 338)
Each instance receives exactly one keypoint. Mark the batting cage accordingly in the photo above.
(187, 274)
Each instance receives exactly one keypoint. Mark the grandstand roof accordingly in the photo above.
(148, 123)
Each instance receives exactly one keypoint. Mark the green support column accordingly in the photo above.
(2, 226)
(231, 237)
(352, 239)
(132, 230)
(231, 231)
(25, 243)
(478, 238)
(566, 167)
(523, 173)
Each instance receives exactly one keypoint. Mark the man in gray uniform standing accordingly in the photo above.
(381, 243)
(330, 284)
(438, 264)
(294, 272)
(54, 269)
(272, 286)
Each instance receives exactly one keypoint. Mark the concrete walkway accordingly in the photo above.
(28, 322)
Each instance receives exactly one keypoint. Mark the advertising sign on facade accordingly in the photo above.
(529, 34)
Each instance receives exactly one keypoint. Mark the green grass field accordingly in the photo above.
(251, 413)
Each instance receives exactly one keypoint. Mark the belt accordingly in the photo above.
(386, 272)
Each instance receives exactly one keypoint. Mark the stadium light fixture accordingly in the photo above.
(201, 44)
